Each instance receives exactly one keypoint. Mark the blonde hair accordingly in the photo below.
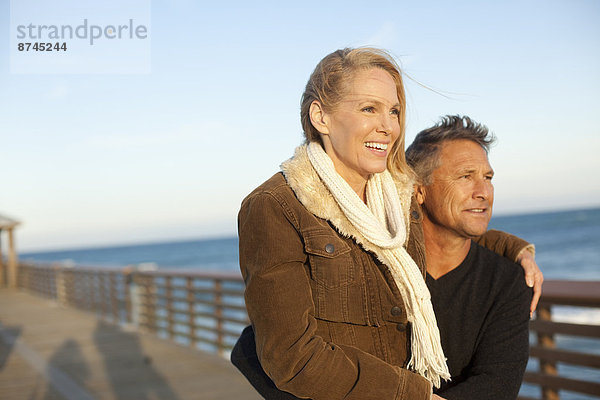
(328, 85)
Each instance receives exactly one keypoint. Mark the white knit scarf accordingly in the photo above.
(381, 223)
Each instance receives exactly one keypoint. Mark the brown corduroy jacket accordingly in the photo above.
(328, 318)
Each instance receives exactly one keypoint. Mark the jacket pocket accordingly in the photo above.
(338, 284)
(329, 258)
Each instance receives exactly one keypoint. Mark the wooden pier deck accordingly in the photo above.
(52, 352)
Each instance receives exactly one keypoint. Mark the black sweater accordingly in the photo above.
(482, 309)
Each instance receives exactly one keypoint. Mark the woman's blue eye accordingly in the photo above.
(395, 111)
(369, 109)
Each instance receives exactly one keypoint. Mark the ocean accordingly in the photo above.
(567, 247)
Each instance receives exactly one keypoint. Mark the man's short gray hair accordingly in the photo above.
(423, 154)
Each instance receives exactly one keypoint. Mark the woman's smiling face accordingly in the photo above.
(359, 133)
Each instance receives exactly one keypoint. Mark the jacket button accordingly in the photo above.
(396, 311)
(329, 248)
(415, 214)
(401, 327)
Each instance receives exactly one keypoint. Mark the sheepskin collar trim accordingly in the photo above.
(315, 196)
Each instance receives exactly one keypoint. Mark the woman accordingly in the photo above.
(338, 306)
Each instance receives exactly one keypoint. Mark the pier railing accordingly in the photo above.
(560, 349)
(199, 309)
(206, 310)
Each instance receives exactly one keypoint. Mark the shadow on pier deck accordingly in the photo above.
(48, 351)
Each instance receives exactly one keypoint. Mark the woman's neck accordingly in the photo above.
(360, 187)
(357, 182)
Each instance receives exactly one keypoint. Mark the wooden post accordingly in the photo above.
(130, 289)
(152, 302)
(93, 292)
(148, 302)
(70, 282)
(42, 279)
(61, 287)
(114, 303)
(169, 306)
(2, 271)
(219, 314)
(12, 259)
(24, 277)
(544, 313)
(191, 319)
(102, 290)
(51, 283)
(75, 295)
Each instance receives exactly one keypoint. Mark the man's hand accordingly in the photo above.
(533, 276)
(436, 397)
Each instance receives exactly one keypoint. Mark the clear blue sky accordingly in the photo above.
(94, 159)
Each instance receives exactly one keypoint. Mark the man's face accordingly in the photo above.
(459, 200)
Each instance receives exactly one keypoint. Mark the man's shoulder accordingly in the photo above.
(496, 266)
(503, 280)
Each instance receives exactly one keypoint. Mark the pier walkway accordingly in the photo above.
(52, 352)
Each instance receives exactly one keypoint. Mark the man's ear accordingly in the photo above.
(420, 194)
(319, 118)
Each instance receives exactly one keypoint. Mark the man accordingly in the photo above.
(480, 299)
